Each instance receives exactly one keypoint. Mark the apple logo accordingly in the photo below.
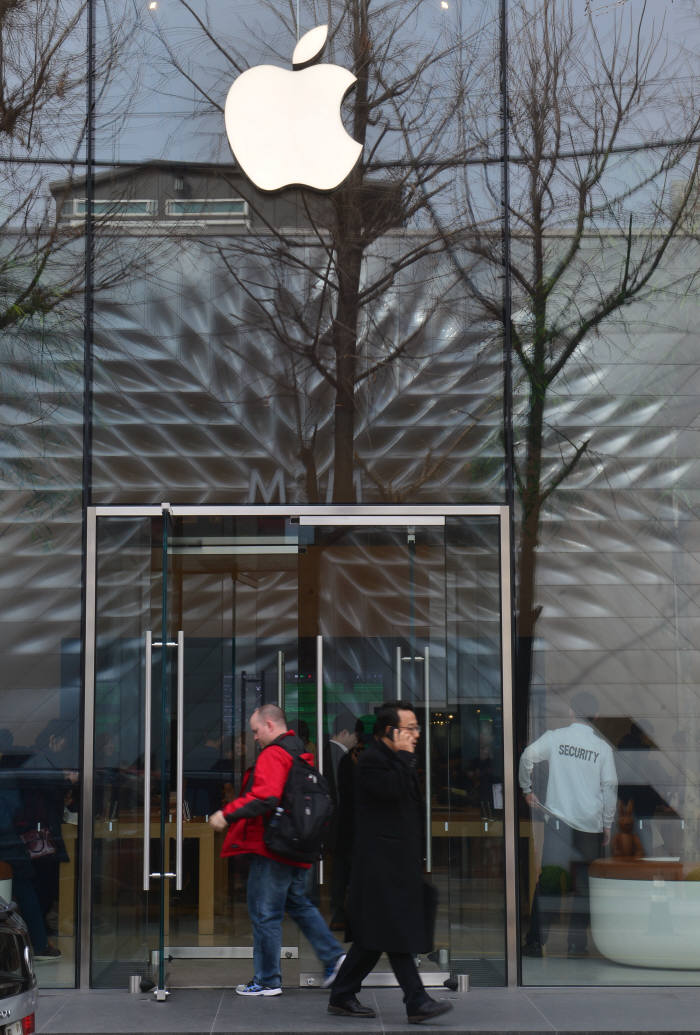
(284, 126)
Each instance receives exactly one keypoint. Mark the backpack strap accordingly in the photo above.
(283, 742)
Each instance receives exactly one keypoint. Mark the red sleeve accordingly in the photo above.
(265, 792)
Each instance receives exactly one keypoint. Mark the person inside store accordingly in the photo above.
(14, 850)
(275, 884)
(579, 809)
(390, 909)
(338, 770)
(50, 794)
(207, 771)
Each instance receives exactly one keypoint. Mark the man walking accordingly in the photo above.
(275, 884)
(579, 810)
(338, 771)
(387, 892)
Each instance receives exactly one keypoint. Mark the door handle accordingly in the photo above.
(280, 679)
(319, 722)
(179, 757)
(180, 710)
(428, 759)
(147, 763)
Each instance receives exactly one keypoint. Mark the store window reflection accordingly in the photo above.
(39, 794)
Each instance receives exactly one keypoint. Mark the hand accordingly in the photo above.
(404, 740)
(606, 836)
(217, 820)
(533, 801)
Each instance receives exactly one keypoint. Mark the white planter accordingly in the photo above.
(647, 923)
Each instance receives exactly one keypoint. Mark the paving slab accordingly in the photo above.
(487, 1011)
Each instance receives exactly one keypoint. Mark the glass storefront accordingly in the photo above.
(496, 308)
(200, 617)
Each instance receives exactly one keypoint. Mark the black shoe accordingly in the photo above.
(350, 1007)
(429, 1009)
(533, 949)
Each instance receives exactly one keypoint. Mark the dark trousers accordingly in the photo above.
(566, 856)
(357, 966)
(340, 877)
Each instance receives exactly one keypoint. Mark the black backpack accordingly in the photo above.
(299, 825)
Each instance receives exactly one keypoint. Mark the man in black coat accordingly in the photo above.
(387, 892)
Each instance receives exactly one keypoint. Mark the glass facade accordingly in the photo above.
(497, 306)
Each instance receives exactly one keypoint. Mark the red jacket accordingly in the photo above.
(261, 793)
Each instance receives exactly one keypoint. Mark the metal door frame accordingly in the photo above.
(328, 514)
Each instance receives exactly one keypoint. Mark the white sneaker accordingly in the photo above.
(253, 988)
(332, 972)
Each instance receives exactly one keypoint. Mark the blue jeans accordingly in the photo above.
(274, 887)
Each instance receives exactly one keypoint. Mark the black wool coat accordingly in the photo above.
(386, 895)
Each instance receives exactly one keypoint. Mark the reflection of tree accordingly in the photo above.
(330, 300)
(42, 257)
(593, 228)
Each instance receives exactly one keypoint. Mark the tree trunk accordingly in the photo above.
(345, 346)
(531, 503)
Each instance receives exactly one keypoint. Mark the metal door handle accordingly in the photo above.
(428, 783)
(179, 757)
(319, 721)
(280, 679)
(147, 764)
(180, 708)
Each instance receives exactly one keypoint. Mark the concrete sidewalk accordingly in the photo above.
(303, 1012)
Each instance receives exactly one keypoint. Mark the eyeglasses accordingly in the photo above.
(413, 729)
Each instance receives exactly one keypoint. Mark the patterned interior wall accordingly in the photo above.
(197, 400)
(40, 522)
(617, 574)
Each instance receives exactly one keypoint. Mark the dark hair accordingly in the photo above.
(387, 714)
(344, 720)
(54, 728)
(584, 705)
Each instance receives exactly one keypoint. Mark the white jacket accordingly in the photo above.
(582, 783)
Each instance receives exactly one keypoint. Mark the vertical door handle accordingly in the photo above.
(319, 721)
(147, 763)
(280, 679)
(179, 802)
(428, 760)
(398, 673)
(147, 734)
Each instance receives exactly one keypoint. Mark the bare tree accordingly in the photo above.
(598, 132)
(322, 289)
(43, 123)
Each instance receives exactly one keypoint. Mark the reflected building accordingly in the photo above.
(263, 454)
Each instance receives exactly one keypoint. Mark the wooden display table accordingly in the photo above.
(131, 830)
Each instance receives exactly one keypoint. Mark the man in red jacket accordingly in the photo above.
(275, 884)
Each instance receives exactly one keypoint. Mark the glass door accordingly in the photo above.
(200, 616)
(374, 616)
(235, 600)
(411, 609)
(195, 626)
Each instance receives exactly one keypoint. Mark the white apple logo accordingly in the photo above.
(284, 126)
